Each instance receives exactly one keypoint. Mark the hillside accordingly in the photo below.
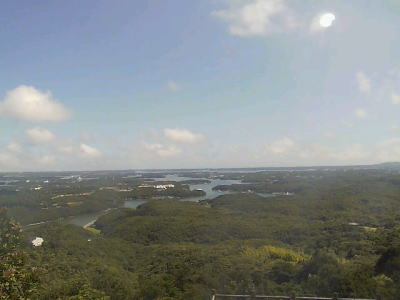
(340, 233)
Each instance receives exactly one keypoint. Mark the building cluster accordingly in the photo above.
(158, 186)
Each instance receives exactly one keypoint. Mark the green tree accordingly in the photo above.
(17, 279)
(86, 292)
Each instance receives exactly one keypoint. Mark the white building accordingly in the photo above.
(164, 186)
(37, 242)
(158, 186)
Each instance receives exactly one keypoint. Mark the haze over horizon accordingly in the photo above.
(90, 85)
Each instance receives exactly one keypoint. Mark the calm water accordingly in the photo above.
(206, 187)
(84, 220)
(87, 220)
(133, 203)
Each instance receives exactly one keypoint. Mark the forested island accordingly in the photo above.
(337, 232)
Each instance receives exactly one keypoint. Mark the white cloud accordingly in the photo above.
(171, 143)
(39, 135)
(395, 98)
(14, 147)
(364, 83)
(183, 135)
(29, 104)
(360, 113)
(173, 86)
(281, 146)
(256, 17)
(89, 151)
(163, 150)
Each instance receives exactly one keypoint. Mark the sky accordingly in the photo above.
(98, 84)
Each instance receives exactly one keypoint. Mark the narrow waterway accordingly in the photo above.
(206, 187)
(86, 220)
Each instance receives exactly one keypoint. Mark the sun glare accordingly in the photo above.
(326, 20)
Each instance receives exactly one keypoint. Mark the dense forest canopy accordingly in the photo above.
(300, 232)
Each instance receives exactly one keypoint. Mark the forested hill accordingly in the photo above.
(339, 234)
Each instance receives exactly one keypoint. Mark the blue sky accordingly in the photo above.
(203, 83)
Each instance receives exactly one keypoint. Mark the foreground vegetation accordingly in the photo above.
(338, 233)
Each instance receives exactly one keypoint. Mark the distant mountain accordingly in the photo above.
(388, 165)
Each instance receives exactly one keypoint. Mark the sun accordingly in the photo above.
(326, 20)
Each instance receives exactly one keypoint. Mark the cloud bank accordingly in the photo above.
(26, 103)
(39, 135)
(256, 17)
(183, 135)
